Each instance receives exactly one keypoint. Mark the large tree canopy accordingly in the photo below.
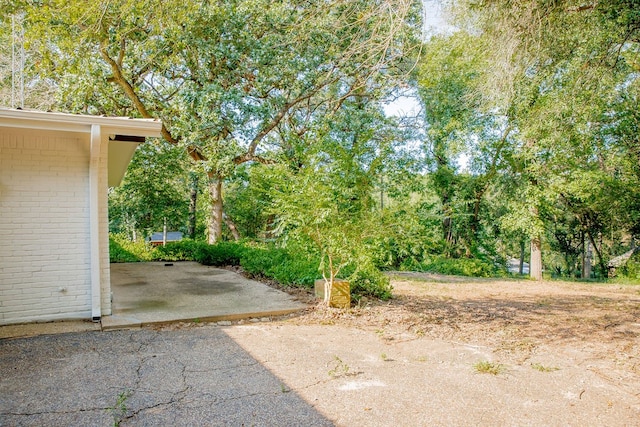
(563, 78)
(223, 76)
(530, 122)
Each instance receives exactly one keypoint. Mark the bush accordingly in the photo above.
(631, 269)
(220, 254)
(281, 265)
(121, 249)
(459, 266)
(365, 279)
(184, 250)
(369, 281)
(300, 268)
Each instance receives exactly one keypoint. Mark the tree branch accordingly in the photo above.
(583, 7)
(250, 154)
(130, 92)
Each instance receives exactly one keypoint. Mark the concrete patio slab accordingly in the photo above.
(159, 292)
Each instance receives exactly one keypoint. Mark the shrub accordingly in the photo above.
(121, 249)
(220, 254)
(184, 250)
(296, 271)
(285, 267)
(366, 280)
(631, 269)
(370, 282)
(258, 261)
(301, 268)
(459, 266)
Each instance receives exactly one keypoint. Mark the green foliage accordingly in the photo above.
(408, 230)
(248, 199)
(153, 190)
(221, 254)
(286, 267)
(457, 266)
(121, 249)
(184, 250)
(631, 270)
(366, 280)
(233, 82)
(312, 206)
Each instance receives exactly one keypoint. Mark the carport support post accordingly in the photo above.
(94, 221)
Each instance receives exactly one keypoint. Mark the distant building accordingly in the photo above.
(620, 261)
(157, 239)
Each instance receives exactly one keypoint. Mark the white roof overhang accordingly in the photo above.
(124, 134)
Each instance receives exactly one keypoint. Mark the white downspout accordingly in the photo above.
(94, 221)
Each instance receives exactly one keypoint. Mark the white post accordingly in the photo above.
(164, 232)
(94, 221)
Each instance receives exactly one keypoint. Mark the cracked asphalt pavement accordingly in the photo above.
(143, 378)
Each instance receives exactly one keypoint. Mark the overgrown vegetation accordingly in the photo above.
(526, 145)
(631, 270)
(472, 267)
(262, 261)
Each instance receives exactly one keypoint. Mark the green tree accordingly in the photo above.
(154, 191)
(460, 124)
(223, 76)
(563, 73)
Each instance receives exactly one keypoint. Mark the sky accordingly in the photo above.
(408, 106)
(434, 22)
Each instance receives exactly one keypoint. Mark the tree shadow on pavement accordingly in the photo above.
(193, 376)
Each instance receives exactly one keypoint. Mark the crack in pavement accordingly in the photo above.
(144, 361)
(76, 411)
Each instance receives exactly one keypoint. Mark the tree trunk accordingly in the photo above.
(232, 227)
(447, 226)
(215, 218)
(193, 203)
(603, 265)
(586, 259)
(521, 267)
(535, 265)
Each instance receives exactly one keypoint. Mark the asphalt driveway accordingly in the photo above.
(144, 378)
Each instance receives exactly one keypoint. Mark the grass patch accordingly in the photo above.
(541, 368)
(486, 367)
(119, 410)
(340, 369)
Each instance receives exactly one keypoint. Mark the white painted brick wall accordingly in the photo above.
(44, 227)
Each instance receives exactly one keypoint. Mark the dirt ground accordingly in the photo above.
(444, 351)
(564, 354)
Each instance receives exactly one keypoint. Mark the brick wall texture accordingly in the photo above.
(45, 256)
